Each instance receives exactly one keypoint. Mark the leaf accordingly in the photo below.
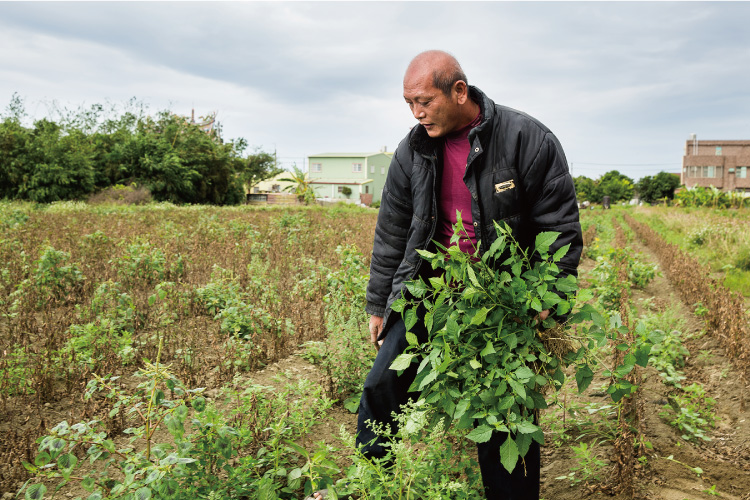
(536, 305)
(516, 268)
(97, 495)
(488, 349)
(524, 373)
(35, 492)
(517, 387)
(470, 292)
(473, 277)
(417, 288)
(426, 255)
(42, 459)
(88, 483)
(295, 474)
(509, 454)
(352, 403)
(628, 363)
(399, 304)
(642, 355)
(67, 461)
(497, 246)
(411, 338)
(544, 240)
(584, 376)
(410, 319)
(526, 427)
(475, 364)
(428, 379)
(523, 441)
(561, 252)
(199, 404)
(143, 493)
(480, 316)
(480, 434)
(402, 362)
(567, 284)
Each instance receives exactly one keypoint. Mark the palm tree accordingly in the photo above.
(300, 185)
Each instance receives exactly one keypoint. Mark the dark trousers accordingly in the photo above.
(385, 391)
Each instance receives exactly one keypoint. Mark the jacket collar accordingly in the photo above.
(425, 145)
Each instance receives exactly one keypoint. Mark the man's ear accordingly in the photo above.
(461, 90)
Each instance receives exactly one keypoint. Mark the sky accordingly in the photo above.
(621, 84)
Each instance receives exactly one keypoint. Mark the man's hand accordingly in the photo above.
(543, 315)
(376, 326)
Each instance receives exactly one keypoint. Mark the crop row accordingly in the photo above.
(726, 315)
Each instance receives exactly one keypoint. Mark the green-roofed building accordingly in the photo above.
(362, 173)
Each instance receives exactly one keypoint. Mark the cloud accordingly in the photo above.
(307, 77)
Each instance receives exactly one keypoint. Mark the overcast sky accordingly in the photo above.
(622, 85)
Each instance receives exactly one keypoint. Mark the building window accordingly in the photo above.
(372, 169)
(382, 170)
(356, 167)
(341, 188)
(742, 172)
(367, 189)
(710, 172)
(316, 168)
(276, 188)
(718, 150)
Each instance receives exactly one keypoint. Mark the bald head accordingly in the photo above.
(437, 94)
(440, 66)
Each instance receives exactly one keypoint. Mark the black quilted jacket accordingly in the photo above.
(516, 173)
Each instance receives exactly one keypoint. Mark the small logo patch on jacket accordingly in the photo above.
(504, 186)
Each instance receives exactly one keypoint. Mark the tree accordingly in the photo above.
(615, 185)
(90, 148)
(662, 185)
(585, 188)
(56, 166)
(257, 167)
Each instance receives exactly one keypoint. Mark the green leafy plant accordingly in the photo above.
(589, 466)
(142, 262)
(54, 279)
(691, 411)
(421, 461)
(130, 471)
(486, 365)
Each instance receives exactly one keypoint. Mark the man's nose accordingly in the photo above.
(418, 111)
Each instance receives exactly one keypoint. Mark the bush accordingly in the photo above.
(122, 195)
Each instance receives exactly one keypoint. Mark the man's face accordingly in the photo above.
(438, 113)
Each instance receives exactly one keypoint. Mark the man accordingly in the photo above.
(491, 163)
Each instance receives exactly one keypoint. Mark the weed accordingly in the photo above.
(691, 411)
(589, 466)
(142, 262)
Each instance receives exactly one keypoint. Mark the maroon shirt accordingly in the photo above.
(454, 195)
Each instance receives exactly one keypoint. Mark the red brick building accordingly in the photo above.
(722, 164)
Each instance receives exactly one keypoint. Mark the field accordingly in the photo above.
(201, 352)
